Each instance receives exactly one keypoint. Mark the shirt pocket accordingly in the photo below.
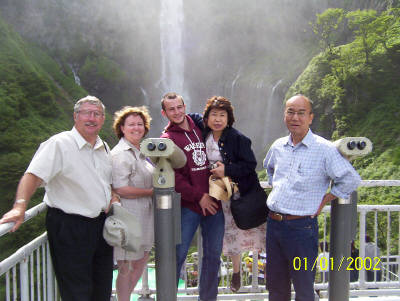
(306, 171)
(136, 178)
(310, 169)
(308, 176)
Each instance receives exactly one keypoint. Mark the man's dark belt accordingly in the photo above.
(287, 217)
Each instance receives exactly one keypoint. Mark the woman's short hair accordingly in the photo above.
(220, 103)
(121, 115)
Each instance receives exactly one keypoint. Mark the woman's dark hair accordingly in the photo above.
(220, 103)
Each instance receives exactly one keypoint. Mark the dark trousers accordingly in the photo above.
(82, 259)
(292, 248)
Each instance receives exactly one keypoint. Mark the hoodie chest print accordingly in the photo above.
(198, 154)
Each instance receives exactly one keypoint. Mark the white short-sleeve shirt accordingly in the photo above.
(77, 176)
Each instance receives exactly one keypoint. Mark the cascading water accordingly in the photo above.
(274, 115)
(235, 80)
(145, 96)
(75, 73)
(172, 55)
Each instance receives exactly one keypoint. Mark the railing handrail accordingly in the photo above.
(364, 183)
(29, 214)
(377, 183)
(362, 208)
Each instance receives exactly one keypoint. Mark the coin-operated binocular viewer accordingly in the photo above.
(167, 223)
(343, 224)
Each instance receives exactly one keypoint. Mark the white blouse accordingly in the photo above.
(212, 149)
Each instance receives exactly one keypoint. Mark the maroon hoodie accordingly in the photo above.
(191, 181)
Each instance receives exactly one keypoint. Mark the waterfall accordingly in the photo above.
(274, 115)
(235, 80)
(145, 96)
(274, 87)
(75, 73)
(172, 55)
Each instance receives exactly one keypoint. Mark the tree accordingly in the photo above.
(387, 27)
(326, 27)
(361, 21)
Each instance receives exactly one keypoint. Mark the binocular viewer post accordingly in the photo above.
(167, 211)
(344, 223)
(166, 156)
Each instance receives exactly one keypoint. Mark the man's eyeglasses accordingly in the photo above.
(96, 114)
(300, 114)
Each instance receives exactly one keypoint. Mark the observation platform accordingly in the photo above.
(28, 275)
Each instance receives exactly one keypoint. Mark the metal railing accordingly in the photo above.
(28, 273)
(384, 267)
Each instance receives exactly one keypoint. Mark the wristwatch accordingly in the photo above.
(20, 201)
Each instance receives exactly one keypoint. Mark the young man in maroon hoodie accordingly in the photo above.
(197, 207)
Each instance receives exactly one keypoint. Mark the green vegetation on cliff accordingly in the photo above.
(32, 105)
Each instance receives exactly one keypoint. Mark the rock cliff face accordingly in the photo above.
(250, 52)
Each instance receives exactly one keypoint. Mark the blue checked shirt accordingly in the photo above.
(300, 175)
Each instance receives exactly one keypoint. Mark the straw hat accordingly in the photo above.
(221, 188)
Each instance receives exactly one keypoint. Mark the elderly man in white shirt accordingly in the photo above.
(75, 169)
(300, 168)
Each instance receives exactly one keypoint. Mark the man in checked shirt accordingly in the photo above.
(300, 168)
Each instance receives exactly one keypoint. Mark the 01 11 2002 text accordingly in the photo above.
(348, 263)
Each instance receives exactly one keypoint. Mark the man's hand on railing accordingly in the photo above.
(26, 188)
(16, 215)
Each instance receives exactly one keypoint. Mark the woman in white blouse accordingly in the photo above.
(132, 180)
